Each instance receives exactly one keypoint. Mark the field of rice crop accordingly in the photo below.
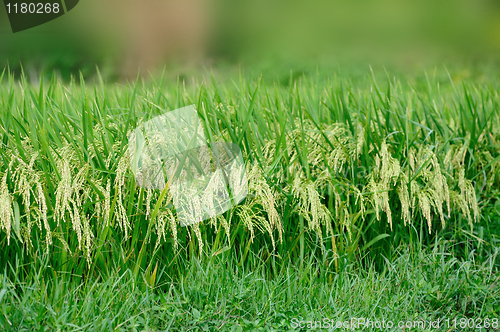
(362, 196)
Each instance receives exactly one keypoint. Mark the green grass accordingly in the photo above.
(428, 285)
(376, 199)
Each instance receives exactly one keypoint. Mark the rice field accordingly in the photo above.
(345, 180)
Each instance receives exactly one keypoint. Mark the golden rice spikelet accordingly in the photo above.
(225, 225)
(6, 212)
(87, 237)
(64, 191)
(459, 157)
(27, 182)
(404, 199)
(346, 221)
(121, 214)
(42, 206)
(161, 220)
(247, 215)
(449, 156)
(149, 195)
(311, 207)
(59, 236)
(411, 159)
(23, 186)
(173, 227)
(71, 190)
(466, 200)
(377, 200)
(425, 206)
(338, 204)
(441, 192)
(361, 199)
(468, 193)
(164, 217)
(267, 199)
(382, 179)
(494, 168)
(360, 140)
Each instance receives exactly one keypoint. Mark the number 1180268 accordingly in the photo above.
(33, 8)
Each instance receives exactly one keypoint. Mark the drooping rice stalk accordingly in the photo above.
(330, 159)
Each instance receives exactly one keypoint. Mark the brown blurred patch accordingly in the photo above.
(143, 34)
(163, 29)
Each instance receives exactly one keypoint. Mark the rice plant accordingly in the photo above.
(331, 166)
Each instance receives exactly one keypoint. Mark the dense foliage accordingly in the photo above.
(331, 166)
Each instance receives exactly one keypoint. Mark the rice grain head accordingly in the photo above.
(6, 212)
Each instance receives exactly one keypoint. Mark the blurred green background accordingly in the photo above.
(270, 37)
